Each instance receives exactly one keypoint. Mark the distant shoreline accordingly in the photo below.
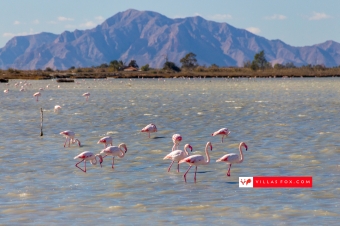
(230, 73)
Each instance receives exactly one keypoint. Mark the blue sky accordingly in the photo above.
(295, 22)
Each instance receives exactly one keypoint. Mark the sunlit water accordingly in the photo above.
(291, 127)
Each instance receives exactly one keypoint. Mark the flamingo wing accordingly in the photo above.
(193, 160)
(174, 155)
(229, 158)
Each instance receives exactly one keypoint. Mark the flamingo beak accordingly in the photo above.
(246, 147)
(125, 150)
(190, 148)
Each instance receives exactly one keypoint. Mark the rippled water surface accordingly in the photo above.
(291, 127)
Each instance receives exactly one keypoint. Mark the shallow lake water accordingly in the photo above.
(291, 127)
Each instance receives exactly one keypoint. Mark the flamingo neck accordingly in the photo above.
(207, 154)
(185, 150)
(241, 153)
(123, 152)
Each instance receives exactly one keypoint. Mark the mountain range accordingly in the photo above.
(150, 38)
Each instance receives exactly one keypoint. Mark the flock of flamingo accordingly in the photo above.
(176, 155)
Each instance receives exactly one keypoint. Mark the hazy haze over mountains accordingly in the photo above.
(149, 37)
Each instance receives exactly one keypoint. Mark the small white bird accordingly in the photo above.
(87, 95)
(57, 108)
(37, 94)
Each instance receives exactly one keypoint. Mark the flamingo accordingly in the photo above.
(149, 128)
(57, 108)
(37, 94)
(223, 131)
(176, 139)
(114, 151)
(69, 135)
(196, 160)
(233, 158)
(87, 95)
(106, 140)
(88, 156)
(178, 155)
(6, 90)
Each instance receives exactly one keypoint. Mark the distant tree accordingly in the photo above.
(259, 62)
(279, 66)
(290, 65)
(71, 68)
(145, 67)
(168, 65)
(117, 65)
(247, 64)
(189, 61)
(133, 63)
(48, 69)
(104, 65)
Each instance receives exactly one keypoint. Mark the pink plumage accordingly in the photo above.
(149, 128)
(224, 132)
(233, 158)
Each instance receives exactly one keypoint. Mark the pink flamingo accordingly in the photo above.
(6, 90)
(149, 128)
(115, 151)
(176, 139)
(37, 94)
(233, 158)
(223, 131)
(69, 135)
(105, 140)
(178, 155)
(87, 95)
(196, 160)
(57, 108)
(88, 156)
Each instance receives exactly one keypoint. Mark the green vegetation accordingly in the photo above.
(258, 67)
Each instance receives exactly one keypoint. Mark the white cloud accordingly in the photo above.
(16, 22)
(10, 35)
(197, 14)
(36, 21)
(99, 18)
(89, 24)
(276, 17)
(65, 19)
(318, 16)
(253, 30)
(52, 22)
(221, 17)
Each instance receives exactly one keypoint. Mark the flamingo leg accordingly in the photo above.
(80, 167)
(185, 175)
(228, 174)
(170, 166)
(178, 167)
(195, 174)
(149, 134)
(65, 142)
(222, 138)
(69, 141)
(113, 159)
